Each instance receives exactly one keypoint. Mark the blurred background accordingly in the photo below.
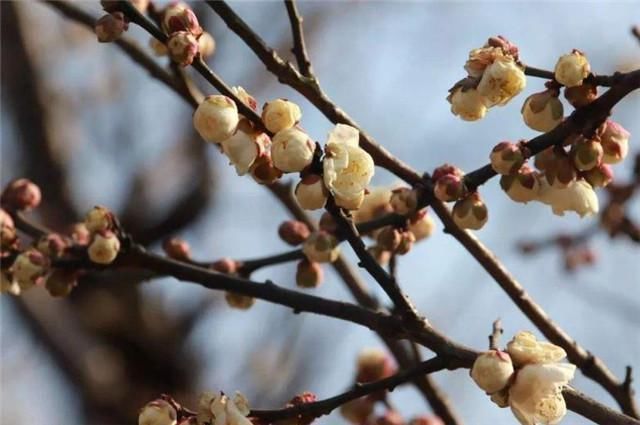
(91, 127)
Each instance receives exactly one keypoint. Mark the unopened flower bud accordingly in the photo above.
(449, 188)
(522, 186)
(586, 154)
(110, 27)
(29, 268)
(501, 81)
(467, 104)
(599, 176)
(311, 193)
(404, 200)
(263, 171)
(177, 248)
(216, 118)
(390, 417)
(293, 232)
(492, 370)
(328, 223)
(506, 158)
(582, 95)
(21, 194)
(292, 150)
(572, 68)
(321, 247)
(308, 274)
(374, 364)
(357, 411)
(426, 420)
(280, 114)
(245, 147)
(225, 265)
(560, 171)
(421, 225)
(239, 301)
(300, 399)
(52, 245)
(470, 212)
(524, 348)
(445, 169)
(389, 238)
(245, 97)
(179, 17)
(104, 247)
(615, 142)
(544, 160)
(182, 47)
(158, 47)
(61, 282)
(99, 218)
(542, 111)
(206, 45)
(158, 412)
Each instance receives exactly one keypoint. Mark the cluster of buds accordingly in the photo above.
(187, 39)
(495, 76)
(219, 409)
(566, 175)
(528, 377)
(105, 245)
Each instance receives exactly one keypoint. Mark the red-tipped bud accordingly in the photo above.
(523, 186)
(182, 47)
(586, 154)
(470, 212)
(506, 158)
(179, 17)
(177, 248)
(110, 27)
(293, 232)
(449, 188)
(225, 265)
(308, 274)
(21, 194)
(599, 176)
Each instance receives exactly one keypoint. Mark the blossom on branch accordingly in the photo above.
(572, 68)
(216, 118)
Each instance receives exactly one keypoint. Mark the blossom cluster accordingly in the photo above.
(528, 378)
(495, 76)
(186, 38)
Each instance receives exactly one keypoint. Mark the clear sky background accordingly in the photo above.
(389, 65)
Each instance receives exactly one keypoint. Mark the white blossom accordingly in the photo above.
(578, 197)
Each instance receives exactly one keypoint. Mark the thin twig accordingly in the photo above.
(299, 47)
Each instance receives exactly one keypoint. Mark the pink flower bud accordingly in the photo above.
(446, 169)
(104, 247)
(559, 171)
(239, 301)
(449, 188)
(179, 17)
(506, 158)
(523, 186)
(8, 236)
(404, 200)
(21, 194)
(177, 248)
(599, 176)
(615, 142)
(586, 154)
(470, 212)
(225, 265)
(182, 47)
(308, 274)
(582, 95)
(293, 232)
(110, 27)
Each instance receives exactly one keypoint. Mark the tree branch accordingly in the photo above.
(299, 47)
